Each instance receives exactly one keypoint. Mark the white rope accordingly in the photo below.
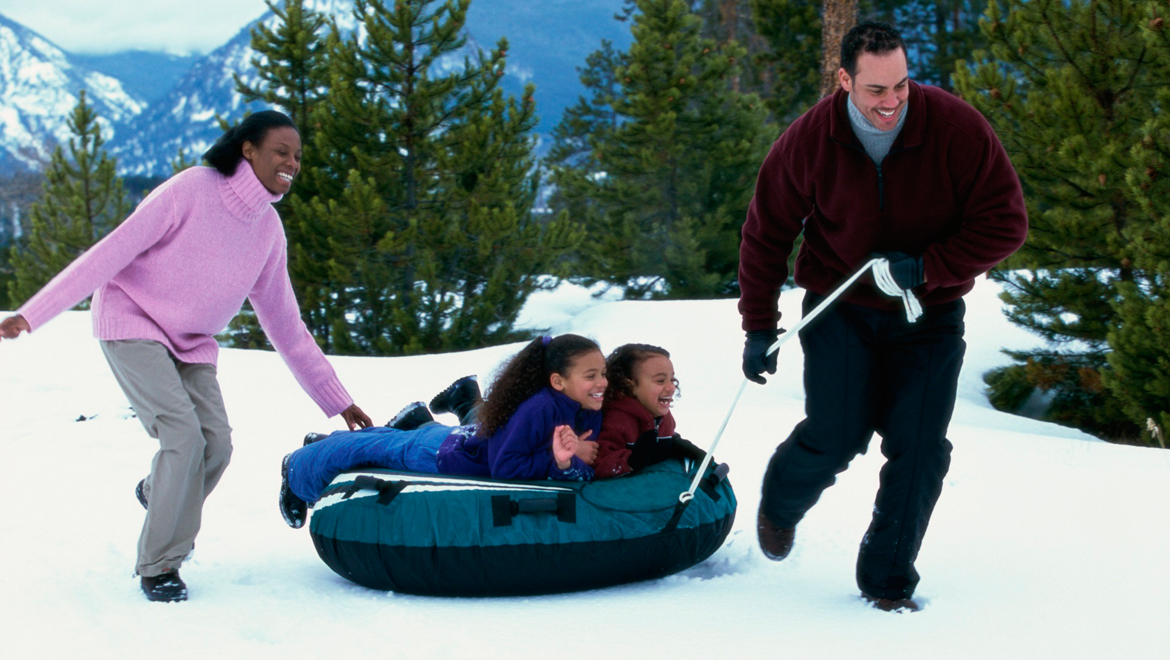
(887, 284)
(881, 269)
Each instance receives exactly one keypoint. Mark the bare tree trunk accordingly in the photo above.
(839, 17)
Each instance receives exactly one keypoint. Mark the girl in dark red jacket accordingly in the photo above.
(637, 428)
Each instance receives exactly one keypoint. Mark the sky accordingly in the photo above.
(1046, 542)
(181, 27)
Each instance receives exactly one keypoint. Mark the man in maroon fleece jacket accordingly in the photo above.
(883, 167)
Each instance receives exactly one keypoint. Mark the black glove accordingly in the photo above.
(755, 358)
(685, 449)
(904, 268)
(648, 450)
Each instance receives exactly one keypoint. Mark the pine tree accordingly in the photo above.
(792, 29)
(292, 63)
(667, 188)
(1140, 360)
(590, 119)
(18, 191)
(589, 122)
(1069, 87)
(82, 201)
(432, 241)
(938, 33)
(495, 246)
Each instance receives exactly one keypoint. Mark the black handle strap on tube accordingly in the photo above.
(504, 508)
(387, 490)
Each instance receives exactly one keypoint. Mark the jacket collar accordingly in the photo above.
(631, 406)
(913, 131)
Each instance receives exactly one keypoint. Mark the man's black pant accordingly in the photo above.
(868, 370)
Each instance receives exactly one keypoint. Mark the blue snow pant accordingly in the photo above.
(311, 469)
(868, 370)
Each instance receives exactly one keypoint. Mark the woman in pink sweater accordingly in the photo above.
(168, 279)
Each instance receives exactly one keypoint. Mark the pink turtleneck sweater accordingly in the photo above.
(179, 268)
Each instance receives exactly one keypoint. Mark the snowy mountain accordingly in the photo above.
(146, 74)
(547, 41)
(187, 117)
(39, 82)
(39, 86)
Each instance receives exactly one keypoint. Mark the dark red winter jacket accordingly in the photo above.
(622, 422)
(946, 190)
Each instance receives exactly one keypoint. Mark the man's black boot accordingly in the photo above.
(892, 604)
(774, 541)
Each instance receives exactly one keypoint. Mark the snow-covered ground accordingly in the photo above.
(1046, 543)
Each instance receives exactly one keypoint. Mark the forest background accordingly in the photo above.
(423, 218)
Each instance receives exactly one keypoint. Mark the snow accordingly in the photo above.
(1047, 543)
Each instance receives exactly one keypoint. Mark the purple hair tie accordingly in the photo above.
(545, 340)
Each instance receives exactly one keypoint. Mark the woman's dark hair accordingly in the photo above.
(228, 150)
(868, 37)
(527, 373)
(620, 367)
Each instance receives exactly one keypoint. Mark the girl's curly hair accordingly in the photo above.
(621, 364)
(527, 373)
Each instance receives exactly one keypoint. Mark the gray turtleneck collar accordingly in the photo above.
(877, 142)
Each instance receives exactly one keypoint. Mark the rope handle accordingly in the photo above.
(885, 281)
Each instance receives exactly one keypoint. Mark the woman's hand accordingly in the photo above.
(355, 418)
(13, 326)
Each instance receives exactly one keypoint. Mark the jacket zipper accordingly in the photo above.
(881, 176)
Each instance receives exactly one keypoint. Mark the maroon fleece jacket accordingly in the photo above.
(622, 422)
(946, 190)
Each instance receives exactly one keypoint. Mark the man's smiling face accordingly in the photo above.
(880, 88)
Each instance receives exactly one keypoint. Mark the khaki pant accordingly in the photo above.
(180, 405)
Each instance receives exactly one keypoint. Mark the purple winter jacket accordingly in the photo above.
(522, 448)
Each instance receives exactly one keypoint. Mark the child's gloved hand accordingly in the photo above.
(650, 449)
(685, 449)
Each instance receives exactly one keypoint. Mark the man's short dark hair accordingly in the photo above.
(868, 37)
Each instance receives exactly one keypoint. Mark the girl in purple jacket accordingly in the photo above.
(534, 424)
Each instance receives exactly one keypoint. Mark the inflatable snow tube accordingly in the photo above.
(463, 536)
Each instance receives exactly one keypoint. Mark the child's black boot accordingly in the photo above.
(460, 397)
(293, 509)
(411, 417)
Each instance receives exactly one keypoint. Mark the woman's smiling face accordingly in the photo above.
(654, 384)
(277, 159)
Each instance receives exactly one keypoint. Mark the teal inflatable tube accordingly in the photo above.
(462, 536)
